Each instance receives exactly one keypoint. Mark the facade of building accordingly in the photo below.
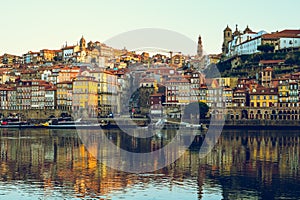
(283, 93)
(107, 91)
(241, 43)
(263, 97)
(31, 94)
(67, 74)
(227, 97)
(84, 99)
(47, 55)
(240, 98)
(156, 103)
(8, 99)
(64, 95)
(68, 52)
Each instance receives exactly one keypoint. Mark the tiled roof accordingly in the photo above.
(264, 91)
(282, 34)
(271, 61)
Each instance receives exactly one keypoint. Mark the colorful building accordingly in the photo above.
(283, 93)
(107, 91)
(67, 74)
(263, 97)
(64, 95)
(8, 100)
(84, 100)
(227, 96)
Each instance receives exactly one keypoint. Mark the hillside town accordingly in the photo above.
(259, 79)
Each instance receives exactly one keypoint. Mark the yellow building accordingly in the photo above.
(203, 94)
(184, 92)
(283, 93)
(84, 100)
(9, 59)
(177, 60)
(214, 58)
(227, 82)
(263, 97)
(227, 97)
(64, 95)
(47, 55)
(4, 76)
(266, 77)
(107, 91)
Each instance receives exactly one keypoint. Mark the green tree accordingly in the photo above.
(290, 61)
(266, 48)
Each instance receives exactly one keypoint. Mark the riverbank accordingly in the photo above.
(115, 123)
(262, 124)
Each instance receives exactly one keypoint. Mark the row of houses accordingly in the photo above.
(266, 92)
(95, 91)
(83, 52)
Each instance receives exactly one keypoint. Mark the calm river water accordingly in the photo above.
(54, 164)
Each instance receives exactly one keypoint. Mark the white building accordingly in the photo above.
(246, 43)
(289, 42)
(69, 52)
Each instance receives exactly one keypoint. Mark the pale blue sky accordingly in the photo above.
(35, 24)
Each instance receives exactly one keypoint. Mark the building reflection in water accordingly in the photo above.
(262, 164)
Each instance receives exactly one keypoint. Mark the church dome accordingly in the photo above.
(247, 30)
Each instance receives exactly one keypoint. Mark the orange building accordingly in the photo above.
(67, 74)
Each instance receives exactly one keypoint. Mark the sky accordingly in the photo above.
(33, 25)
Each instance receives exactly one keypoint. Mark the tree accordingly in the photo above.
(266, 48)
(196, 109)
(290, 61)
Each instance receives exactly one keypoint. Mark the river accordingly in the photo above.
(244, 164)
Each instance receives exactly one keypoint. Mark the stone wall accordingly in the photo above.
(33, 114)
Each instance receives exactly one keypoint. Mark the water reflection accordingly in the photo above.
(55, 164)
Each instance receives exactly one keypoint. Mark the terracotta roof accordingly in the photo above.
(271, 61)
(282, 34)
(6, 89)
(264, 91)
(65, 82)
(177, 81)
(240, 91)
(227, 89)
(157, 95)
(51, 89)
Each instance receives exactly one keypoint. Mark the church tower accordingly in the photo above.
(226, 39)
(82, 44)
(199, 48)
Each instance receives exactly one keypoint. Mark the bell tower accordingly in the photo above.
(82, 44)
(199, 48)
(226, 39)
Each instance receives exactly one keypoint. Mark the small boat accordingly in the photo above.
(78, 124)
(16, 124)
